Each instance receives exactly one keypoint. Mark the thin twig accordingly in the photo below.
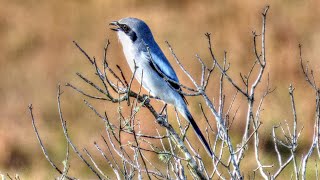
(42, 146)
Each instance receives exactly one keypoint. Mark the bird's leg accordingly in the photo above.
(164, 107)
(162, 117)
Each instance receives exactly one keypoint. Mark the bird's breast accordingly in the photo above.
(128, 49)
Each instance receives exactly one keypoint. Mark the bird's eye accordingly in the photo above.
(125, 28)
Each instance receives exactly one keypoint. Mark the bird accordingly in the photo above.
(152, 68)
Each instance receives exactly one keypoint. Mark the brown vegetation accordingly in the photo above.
(36, 53)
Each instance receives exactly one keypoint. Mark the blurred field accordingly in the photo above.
(37, 53)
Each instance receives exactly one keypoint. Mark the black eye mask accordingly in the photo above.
(132, 35)
(125, 28)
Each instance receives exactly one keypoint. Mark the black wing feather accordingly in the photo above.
(172, 84)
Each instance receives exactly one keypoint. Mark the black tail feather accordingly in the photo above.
(199, 133)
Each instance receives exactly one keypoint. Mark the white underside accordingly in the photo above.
(150, 79)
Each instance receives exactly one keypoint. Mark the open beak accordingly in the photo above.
(115, 25)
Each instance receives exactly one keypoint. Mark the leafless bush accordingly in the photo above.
(180, 158)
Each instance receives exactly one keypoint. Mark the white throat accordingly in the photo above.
(124, 39)
(128, 48)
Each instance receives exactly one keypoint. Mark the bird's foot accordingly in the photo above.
(146, 99)
(161, 118)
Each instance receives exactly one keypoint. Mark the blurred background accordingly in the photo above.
(37, 53)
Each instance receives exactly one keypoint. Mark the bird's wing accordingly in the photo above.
(161, 65)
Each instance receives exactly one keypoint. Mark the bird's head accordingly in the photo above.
(131, 29)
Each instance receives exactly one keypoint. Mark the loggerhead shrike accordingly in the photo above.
(153, 68)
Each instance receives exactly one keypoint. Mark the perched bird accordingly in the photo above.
(153, 68)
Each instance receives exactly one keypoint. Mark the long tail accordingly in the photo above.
(187, 115)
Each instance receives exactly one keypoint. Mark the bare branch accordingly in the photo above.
(42, 146)
(65, 132)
